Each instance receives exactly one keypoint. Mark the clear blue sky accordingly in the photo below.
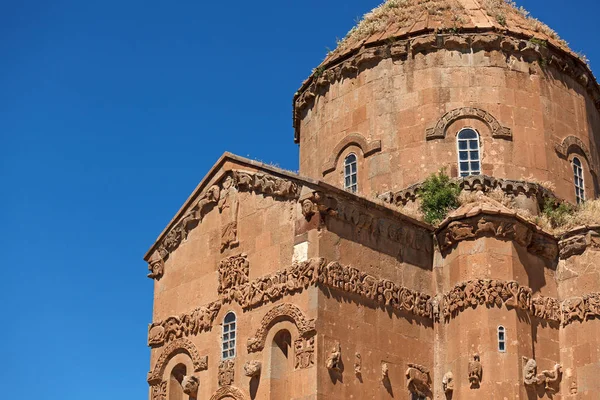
(110, 113)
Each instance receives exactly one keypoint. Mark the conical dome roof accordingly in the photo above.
(400, 18)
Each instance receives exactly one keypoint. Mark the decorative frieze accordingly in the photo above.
(226, 372)
(228, 392)
(304, 352)
(224, 196)
(439, 131)
(190, 324)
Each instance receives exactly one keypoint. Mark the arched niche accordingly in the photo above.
(572, 146)
(440, 129)
(282, 312)
(228, 393)
(354, 139)
(179, 346)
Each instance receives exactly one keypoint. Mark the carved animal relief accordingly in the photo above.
(550, 379)
(252, 369)
(334, 361)
(226, 372)
(418, 380)
(190, 385)
(475, 372)
(304, 352)
(448, 383)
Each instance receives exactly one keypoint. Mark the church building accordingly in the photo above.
(325, 284)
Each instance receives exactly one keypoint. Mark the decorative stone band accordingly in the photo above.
(353, 139)
(178, 346)
(572, 144)
(177, 327)
(578, 240)
(513, 47)
(441, 308)
(217, 195)
(474, 183)
(439, 131)
(228, 392)
(159, 391)
(495, 223)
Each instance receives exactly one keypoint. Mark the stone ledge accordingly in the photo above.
(578, 240)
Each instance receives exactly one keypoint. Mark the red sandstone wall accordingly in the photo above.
(396, 101)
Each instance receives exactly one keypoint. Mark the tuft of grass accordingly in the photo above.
(557, 214)
(438, 195)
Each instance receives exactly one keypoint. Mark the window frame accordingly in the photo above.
(349, 185)
(578, 180)
(229, 345)
(469, 161)
(501, 339)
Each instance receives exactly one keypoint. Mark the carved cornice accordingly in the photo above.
(441, 127)
(578, 240)
(174, 348)
(218, 195)
(356, 139)
(177, 327)
(287, 311)
(483, 183)
(500, 225)
(227, 392)
(400, 48)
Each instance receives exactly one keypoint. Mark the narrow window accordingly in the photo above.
(469, 161)
(350, 173)
(501, 339)
(228, 350)
(578, 179)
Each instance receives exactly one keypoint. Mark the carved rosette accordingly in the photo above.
(226, 372)
(224, 196)
(304, 352)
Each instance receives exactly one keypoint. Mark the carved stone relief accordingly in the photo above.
(159, 391)
(385, 372)
(550, 379)
(578, 242)
(252, 368)
(176, 347)
(475, 372)
(334, 360)
(199, 320)
(418, 380)
(448, 383)
(225, 196)
(357, 364)
(190, 385)
(233, 272)
(304, 352)
(439, 131)
(306, 327)
(226, 372)
(356, 139)
(228, 392)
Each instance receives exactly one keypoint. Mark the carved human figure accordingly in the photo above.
(229, 205)
(357, 364)
(475, 372)
(156, 266)
(334, 361)
(385, 372)
(529, 371)
(448, 382)
(190, 385)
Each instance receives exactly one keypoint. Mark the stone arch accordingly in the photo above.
(572, 144)
(355, 139)
(282, 312)
(176, 347)
(228, 392)
(441, 127)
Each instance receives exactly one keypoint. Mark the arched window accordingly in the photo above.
(281, 366)
(350, 173)
(228, 350)
(175, 388)
(469, 159)
(578, 180)
(501, 339)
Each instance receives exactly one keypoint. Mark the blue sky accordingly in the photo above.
(110, 113)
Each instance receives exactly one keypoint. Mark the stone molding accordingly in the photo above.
(500, 225)
(159, 391)
(223, 196)
(227, 392)
(578, 240)
(356, 139)
(565, 148)
(282, 312)
(178, 346)
(441, 127)
(483, 183)
(400, 48)
(188, 324)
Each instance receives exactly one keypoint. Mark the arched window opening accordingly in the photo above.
(578, 180)
(175, 387)
(469, 157)
(229, 330)
(501, 339)
(350, 173)
(280, 364)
